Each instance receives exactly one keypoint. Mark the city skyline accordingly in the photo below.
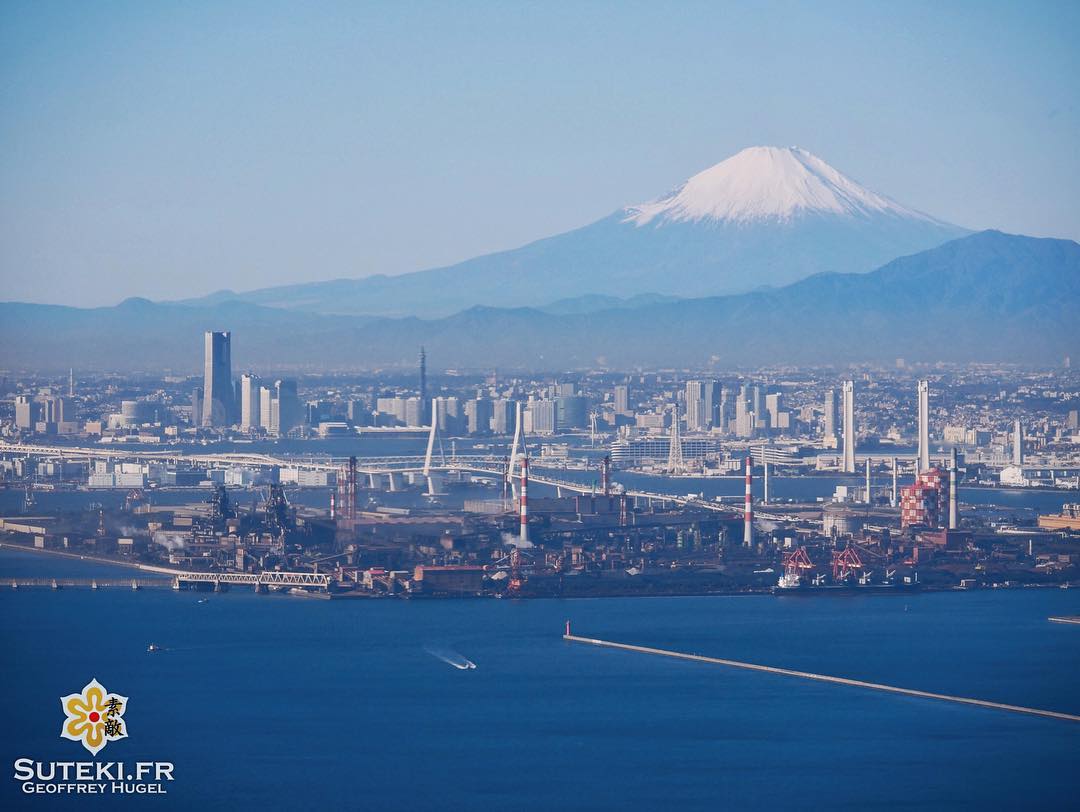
(365, 366)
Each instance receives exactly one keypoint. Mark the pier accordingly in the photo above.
(91, 583)
(854, 683)
(175, 579)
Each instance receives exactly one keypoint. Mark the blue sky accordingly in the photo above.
(170, 149)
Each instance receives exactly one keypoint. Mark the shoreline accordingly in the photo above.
(841, 592)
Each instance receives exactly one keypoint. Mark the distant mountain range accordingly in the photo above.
(984, 297)
(765, 217)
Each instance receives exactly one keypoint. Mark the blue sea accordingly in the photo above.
(269, 702)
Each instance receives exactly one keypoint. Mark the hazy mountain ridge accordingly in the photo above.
(762, 218)
(986, 297)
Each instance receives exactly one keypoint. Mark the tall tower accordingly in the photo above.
(1018, 443)
(71, 382)
(748, 510)
(849, 427)
(675, 457)
(954, 513)
(525, 501)
(924, 426)
(217, 405)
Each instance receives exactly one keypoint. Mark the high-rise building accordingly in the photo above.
(287, 406)
(744, 420)
(56, 410)
(711, 392)
(831, 418)
(1018, 443)
(318, 411)
(502, 418)
(924, 426)
(250, 411)
(571, 412)
(849, 427)
(358, 413)
(25, 412)
(267, 409)
(196, 406)
(541, 417)
(695, 406)
(217, 406)
(622, 399)
(64, 409)
(414, 412)
(478, 416)
(696, 419)
(724, 411)
(394, 406)
(773, 409)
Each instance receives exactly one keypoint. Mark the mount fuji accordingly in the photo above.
(764, 217)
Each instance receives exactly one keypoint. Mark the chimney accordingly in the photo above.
(748, 516)
(524, 501)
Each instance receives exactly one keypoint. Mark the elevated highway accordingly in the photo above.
(489, 465)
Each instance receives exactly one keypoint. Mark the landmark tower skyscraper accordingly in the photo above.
(217, 406)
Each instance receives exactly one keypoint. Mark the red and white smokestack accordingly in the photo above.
(954, 515)
(748, 515)
(524, 500)
(333, 514)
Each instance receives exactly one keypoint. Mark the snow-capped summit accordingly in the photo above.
(763, 218)
(767, 183)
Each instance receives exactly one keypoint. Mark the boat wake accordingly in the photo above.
(450, 657)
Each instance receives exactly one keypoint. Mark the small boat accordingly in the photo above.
(153, 648)
(202, 600)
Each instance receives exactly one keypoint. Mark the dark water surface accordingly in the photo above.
(277, 702)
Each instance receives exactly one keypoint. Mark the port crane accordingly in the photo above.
(846, 563)
(796, 563)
